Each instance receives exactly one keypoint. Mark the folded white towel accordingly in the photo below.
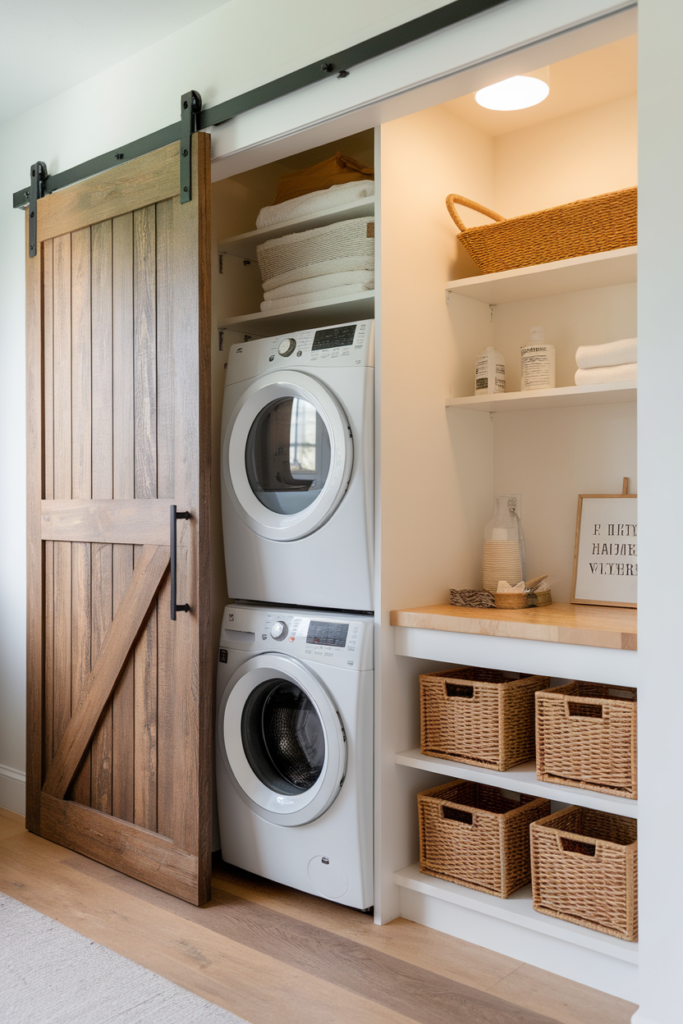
(614, 353)
(315, 202)
(326, 294)
(361, 278)
(607, 374)
(342, 264)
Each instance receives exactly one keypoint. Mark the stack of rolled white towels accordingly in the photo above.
(612, 363)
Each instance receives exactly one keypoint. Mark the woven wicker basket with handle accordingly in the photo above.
(587, 226)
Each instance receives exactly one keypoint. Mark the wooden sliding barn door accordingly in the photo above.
(119, 695)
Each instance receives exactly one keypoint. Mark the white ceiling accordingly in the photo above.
(47, 46)
(596, 76)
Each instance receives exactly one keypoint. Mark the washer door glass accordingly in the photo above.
(281, 740)
(288, 455)
(283, 737)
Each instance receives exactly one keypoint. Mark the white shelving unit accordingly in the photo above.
(598, 270)
(244, 246)
(597, 650)
(297, 318)
(521, 779)
(517, 910)
(549, 398)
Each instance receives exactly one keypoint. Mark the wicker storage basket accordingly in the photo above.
(479, 716)
(586, 737)
(476, 836)
(331, 249)
(591, 225)
(584, 867)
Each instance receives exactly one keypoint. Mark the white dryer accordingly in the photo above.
(294, 743)
(297, 468)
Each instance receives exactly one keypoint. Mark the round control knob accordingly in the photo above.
(286, 346)
(278, 630)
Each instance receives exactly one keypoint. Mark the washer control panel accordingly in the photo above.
(342, 345)
(334, 638)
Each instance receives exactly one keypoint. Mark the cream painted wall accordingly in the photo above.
(571, 157)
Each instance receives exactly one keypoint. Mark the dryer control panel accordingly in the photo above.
(342, 345)
(330, 638)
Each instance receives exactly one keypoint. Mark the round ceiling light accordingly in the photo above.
(513, 93)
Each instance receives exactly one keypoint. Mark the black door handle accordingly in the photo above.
(174, 516)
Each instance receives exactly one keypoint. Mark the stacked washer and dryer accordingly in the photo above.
(295, 672)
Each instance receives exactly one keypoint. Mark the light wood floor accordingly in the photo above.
(276, 956)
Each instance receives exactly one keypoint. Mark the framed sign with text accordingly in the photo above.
(606, 550)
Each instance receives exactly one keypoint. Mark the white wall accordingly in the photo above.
(660, 703)
(221, 55)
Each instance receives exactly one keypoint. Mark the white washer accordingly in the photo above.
(297, 468)
(294, 742)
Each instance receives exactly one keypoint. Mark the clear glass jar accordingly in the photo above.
(504, 557)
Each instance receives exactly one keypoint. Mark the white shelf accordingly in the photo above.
(244, 246)
(521, 779)
(549, 398)
(298, 318)
(516, 909)
(599, 270)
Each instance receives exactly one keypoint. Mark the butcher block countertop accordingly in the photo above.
(587, 625)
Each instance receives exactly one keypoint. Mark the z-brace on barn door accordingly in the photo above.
(119, 693)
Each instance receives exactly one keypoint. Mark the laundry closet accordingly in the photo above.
(442, 455)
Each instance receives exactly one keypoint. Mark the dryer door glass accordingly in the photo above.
(283, 737)
(288, 455)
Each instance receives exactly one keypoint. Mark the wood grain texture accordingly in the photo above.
(34, 554)
(125, 380)
(614, 628)
(123, 702)
(144, 326)
(126, 521)
(62, 366)
(102, 488)
(132, 849)
(188, 823)
(123, 358)
(124, 630)
(149, 179)
(145, 719)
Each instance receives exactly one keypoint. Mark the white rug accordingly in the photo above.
(50, 974)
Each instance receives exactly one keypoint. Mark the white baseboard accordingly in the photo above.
(12, 789)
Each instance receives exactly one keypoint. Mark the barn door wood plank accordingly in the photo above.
(61, 672)
(189, 708)
(107, 521)
(132, 186)
(145, 343)
(48, 492)
(81, 478)
(134, 850)
(123, 702)
(124, 629)
(102, 488)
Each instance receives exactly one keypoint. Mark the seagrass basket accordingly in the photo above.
(477, 836)
(479, 716)
(586, 737)
(584, 867)
(597, 224)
